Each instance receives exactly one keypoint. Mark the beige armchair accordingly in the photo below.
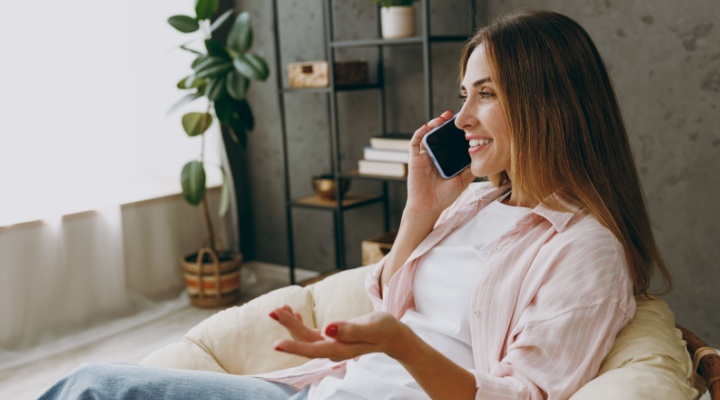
(649, 359)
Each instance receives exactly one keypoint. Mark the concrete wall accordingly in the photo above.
(663, 55)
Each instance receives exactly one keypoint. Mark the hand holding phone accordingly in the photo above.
(448, 148)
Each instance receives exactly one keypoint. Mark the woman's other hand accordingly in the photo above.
(293, 322)
(428, 192)
(369, 333)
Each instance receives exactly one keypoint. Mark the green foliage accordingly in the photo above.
(221, 72)
(192, 179)
(391, 3)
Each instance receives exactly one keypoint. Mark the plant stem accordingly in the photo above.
(206, 209)
(208, 223)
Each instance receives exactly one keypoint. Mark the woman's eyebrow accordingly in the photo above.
(477, 83)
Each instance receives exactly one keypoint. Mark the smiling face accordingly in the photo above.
(483, 119)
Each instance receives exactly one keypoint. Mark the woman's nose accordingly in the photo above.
(463, 119)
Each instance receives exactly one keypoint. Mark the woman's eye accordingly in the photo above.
(486, 95)
(463, 98)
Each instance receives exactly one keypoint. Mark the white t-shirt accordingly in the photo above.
(441, 317)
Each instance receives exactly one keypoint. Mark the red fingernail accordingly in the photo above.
(278, 348)
(426, 125)
(274, 316)
(331, 330)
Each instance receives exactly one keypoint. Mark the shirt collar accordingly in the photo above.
(558, 219)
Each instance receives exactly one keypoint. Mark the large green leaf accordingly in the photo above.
(189, 82)
(216, 49)
(205, 8)
(211, 67)
(224, 194)
(198, 60)
(184, 100)
(237, 85)
(216, 88)
(246, 115)
(196, 123)
(237, 131)
(208, 62)
(215, 71)
(183, 23)
(251, 66)
(226, 111)
(220, 20)
(192, 179)
(241, 35)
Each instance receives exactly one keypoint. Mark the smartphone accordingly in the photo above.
(448, 148)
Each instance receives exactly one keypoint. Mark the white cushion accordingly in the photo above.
(647, 361)
(239, 340)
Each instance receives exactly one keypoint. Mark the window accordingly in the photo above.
(86, 87)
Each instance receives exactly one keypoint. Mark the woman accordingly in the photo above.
(509, 289)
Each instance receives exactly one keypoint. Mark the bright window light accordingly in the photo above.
(86, 88)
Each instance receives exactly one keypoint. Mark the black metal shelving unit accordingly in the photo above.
(352, 200)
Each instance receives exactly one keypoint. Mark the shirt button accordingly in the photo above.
(497, 249)
(476, 313)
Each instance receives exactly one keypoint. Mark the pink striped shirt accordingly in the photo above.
(550, 299)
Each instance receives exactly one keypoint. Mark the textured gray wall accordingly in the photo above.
(663, 55)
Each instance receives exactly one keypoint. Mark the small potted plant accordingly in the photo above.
(397, 18)
(221, 73)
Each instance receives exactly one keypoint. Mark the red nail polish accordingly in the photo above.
(274, 316)
(331, 330)
(278, 348)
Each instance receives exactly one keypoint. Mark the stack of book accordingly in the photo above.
(387, 155)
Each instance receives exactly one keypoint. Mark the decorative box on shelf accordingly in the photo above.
(309, 74)
(375, 249)
(314, 74)
(351, 72)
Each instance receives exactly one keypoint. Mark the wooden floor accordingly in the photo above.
(31, 380)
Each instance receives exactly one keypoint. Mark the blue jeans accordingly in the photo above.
(129, 381)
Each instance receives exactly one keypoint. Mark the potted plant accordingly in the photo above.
(397, 18)
(221, 73)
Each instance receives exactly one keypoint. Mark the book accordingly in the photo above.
(384, 168)
(373, 154)
(391, 141)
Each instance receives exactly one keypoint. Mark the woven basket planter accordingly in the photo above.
(212, 279)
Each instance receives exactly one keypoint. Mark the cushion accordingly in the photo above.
(239, 340)
(648, 360)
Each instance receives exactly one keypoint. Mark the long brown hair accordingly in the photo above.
(567, 133)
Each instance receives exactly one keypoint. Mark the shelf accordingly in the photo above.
(376, 42)
(305, 90)
(338, 88)
(397, 42)
(351, 200)
(449, 38)
(355, 174)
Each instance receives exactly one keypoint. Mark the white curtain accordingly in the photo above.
(73, 280)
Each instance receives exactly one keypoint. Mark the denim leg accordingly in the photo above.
(129, 381)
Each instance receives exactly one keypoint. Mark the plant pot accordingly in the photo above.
(212, 279)
(397, 21)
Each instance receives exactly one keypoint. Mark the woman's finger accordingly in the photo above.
(295, 325)
(416, 147)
